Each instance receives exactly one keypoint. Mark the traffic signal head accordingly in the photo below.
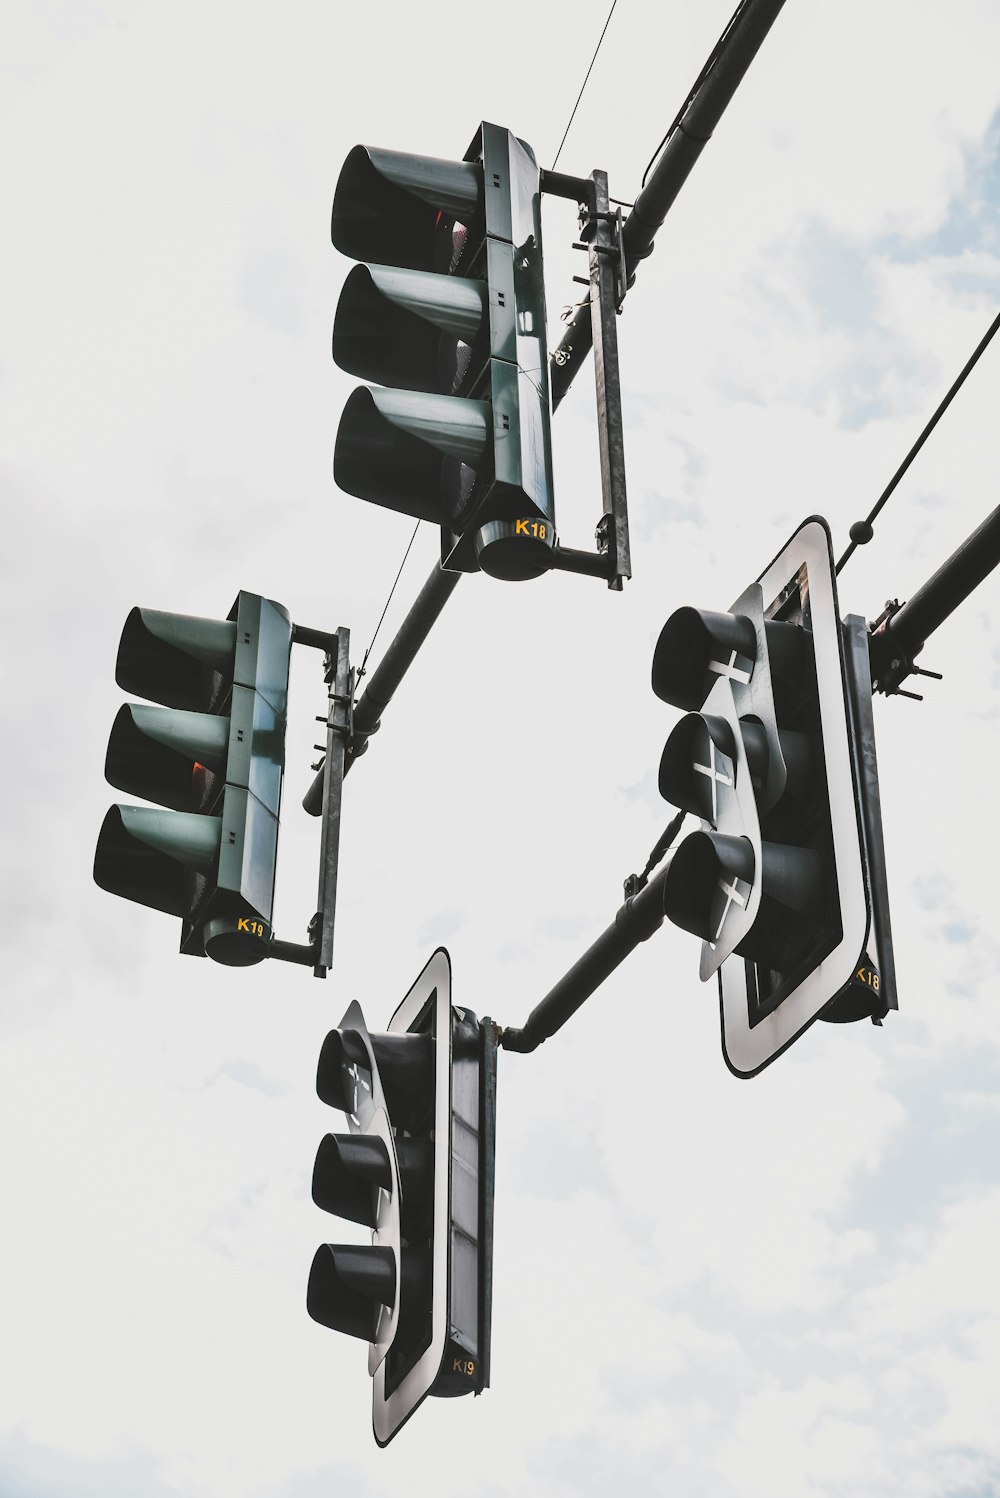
(416, 1169)
(777, 882)
(212, 757)
(449, 312)
(352, 1288)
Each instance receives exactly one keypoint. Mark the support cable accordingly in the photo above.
(364, 660)
(583, 85)
(861, 531)
(635, 882)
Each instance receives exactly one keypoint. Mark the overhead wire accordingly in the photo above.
(364, 660)
(583, 85)
(861, 531)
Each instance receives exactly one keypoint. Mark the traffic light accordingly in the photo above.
(211, 758)
(782, 882)
(417, 1169)
(449, 312)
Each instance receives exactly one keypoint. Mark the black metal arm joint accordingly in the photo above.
(319, 639)
(292, 951)
(575, 189)
(640, 918)
(588, 563)
(519, 1040)
(891, 664)
(892, 661)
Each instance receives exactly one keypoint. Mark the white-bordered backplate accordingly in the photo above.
(389, 1411)
(747, 1049)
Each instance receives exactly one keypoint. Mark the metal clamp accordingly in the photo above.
(890, 663)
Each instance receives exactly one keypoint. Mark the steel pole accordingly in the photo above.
(390, 671)
(692, 130)
(900, 636)
(638, 918)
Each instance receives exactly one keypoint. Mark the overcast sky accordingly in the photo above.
(780, 1288)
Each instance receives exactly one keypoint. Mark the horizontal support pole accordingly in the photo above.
(900, 637)
(949, 586)
(638, 918)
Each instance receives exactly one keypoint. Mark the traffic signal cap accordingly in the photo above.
(388, 206)
(344, 1065)
(349, 1284)
(694, 647)
(142, 854)
(162, 656)
(153, 752)
(389, 325)
(698, 757)
(704, 880)
(403, 449)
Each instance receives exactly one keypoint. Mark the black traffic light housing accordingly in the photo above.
(449, 312)
(417, 1169)
(785, 880)
(211, 757)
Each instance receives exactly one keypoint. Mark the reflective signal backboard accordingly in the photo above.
(800, 586)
